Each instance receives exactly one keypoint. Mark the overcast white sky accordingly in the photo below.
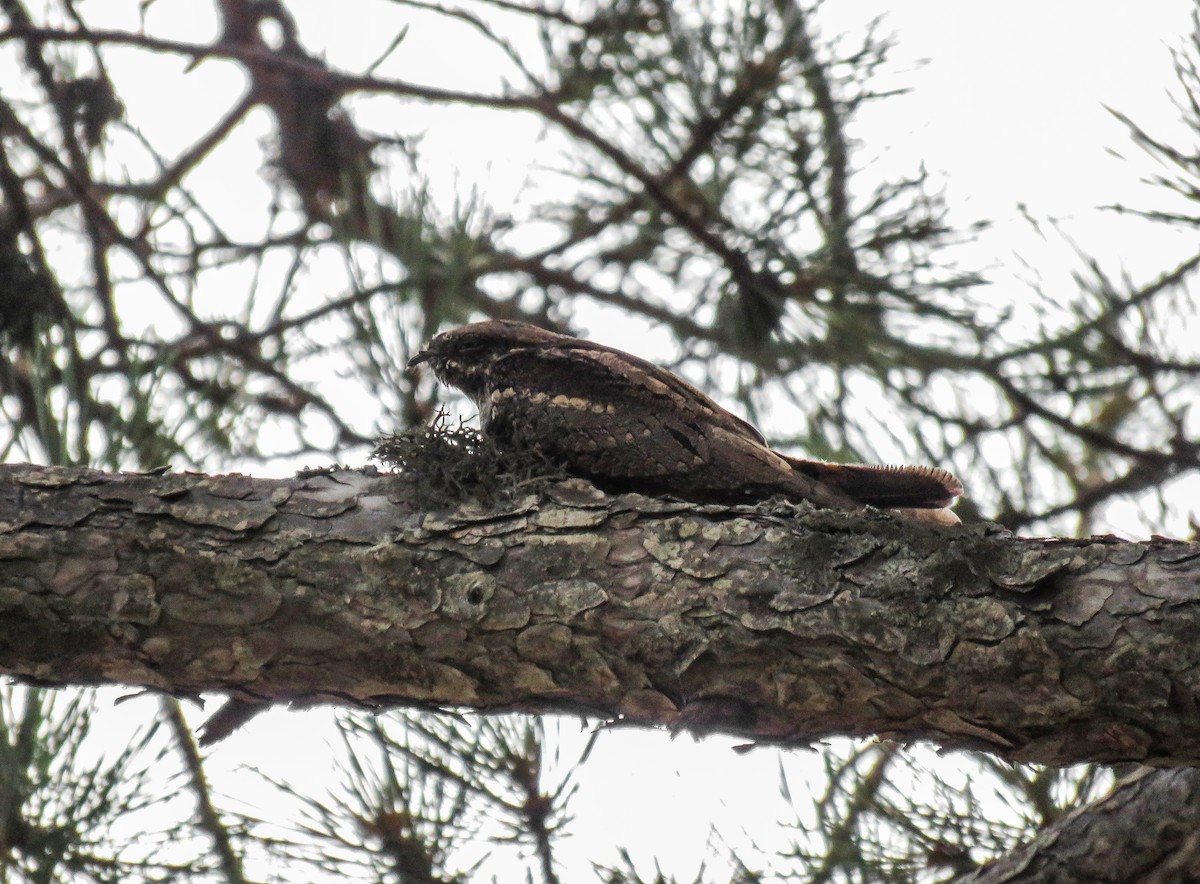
(1013, 96)
(1010, 108)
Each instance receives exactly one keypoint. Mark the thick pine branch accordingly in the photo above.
(1144, 830)
(777, 625)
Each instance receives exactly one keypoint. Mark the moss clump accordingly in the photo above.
(447, 463)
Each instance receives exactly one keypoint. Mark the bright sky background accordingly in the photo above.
(1010, 109)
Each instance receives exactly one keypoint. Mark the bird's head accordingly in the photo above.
(463, 356)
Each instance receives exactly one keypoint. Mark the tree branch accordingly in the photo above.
(1144, 830)
(779, 624)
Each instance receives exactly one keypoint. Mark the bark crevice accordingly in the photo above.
(776, 623)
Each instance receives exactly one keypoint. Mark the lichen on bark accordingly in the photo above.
(776, 623)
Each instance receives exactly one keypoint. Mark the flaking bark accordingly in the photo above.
(777, 624)
(1146, 830)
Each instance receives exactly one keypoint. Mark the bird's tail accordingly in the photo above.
(890, 487)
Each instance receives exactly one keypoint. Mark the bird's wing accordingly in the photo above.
(627, 369)
(605, 413)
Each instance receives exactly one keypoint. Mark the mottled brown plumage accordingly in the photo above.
(626, 423)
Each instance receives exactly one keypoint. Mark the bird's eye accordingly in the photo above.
(472, 345)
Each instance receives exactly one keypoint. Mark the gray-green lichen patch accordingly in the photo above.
(556, 556)
(1172, 588)
(472, 510)
(565, 599)
(981, 619)
(795, 595)
(24, 546)
(647, 705)
(1181, 556)
(1030, 566)
(561, 518)
(507, 609)
(733, 532)
(441, 683)
(54, 477)
(43, 506)
(680, 544)
(1080, 602)
(445, 521)
(466, 596)
(547, 644)
(641, 504)
(626, 548)
(578, 493)
(928, 648)
(233, 515)
(309, 637)
(318, 506)
(131, 597)
(947, 721)
(217, 591)
(533, 680)
(481, 551)
(241, 660)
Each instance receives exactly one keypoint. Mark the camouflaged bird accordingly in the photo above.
(627, 424)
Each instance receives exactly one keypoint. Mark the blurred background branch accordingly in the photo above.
(232, 269)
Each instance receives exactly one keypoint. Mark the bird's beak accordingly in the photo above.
(423, 356)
